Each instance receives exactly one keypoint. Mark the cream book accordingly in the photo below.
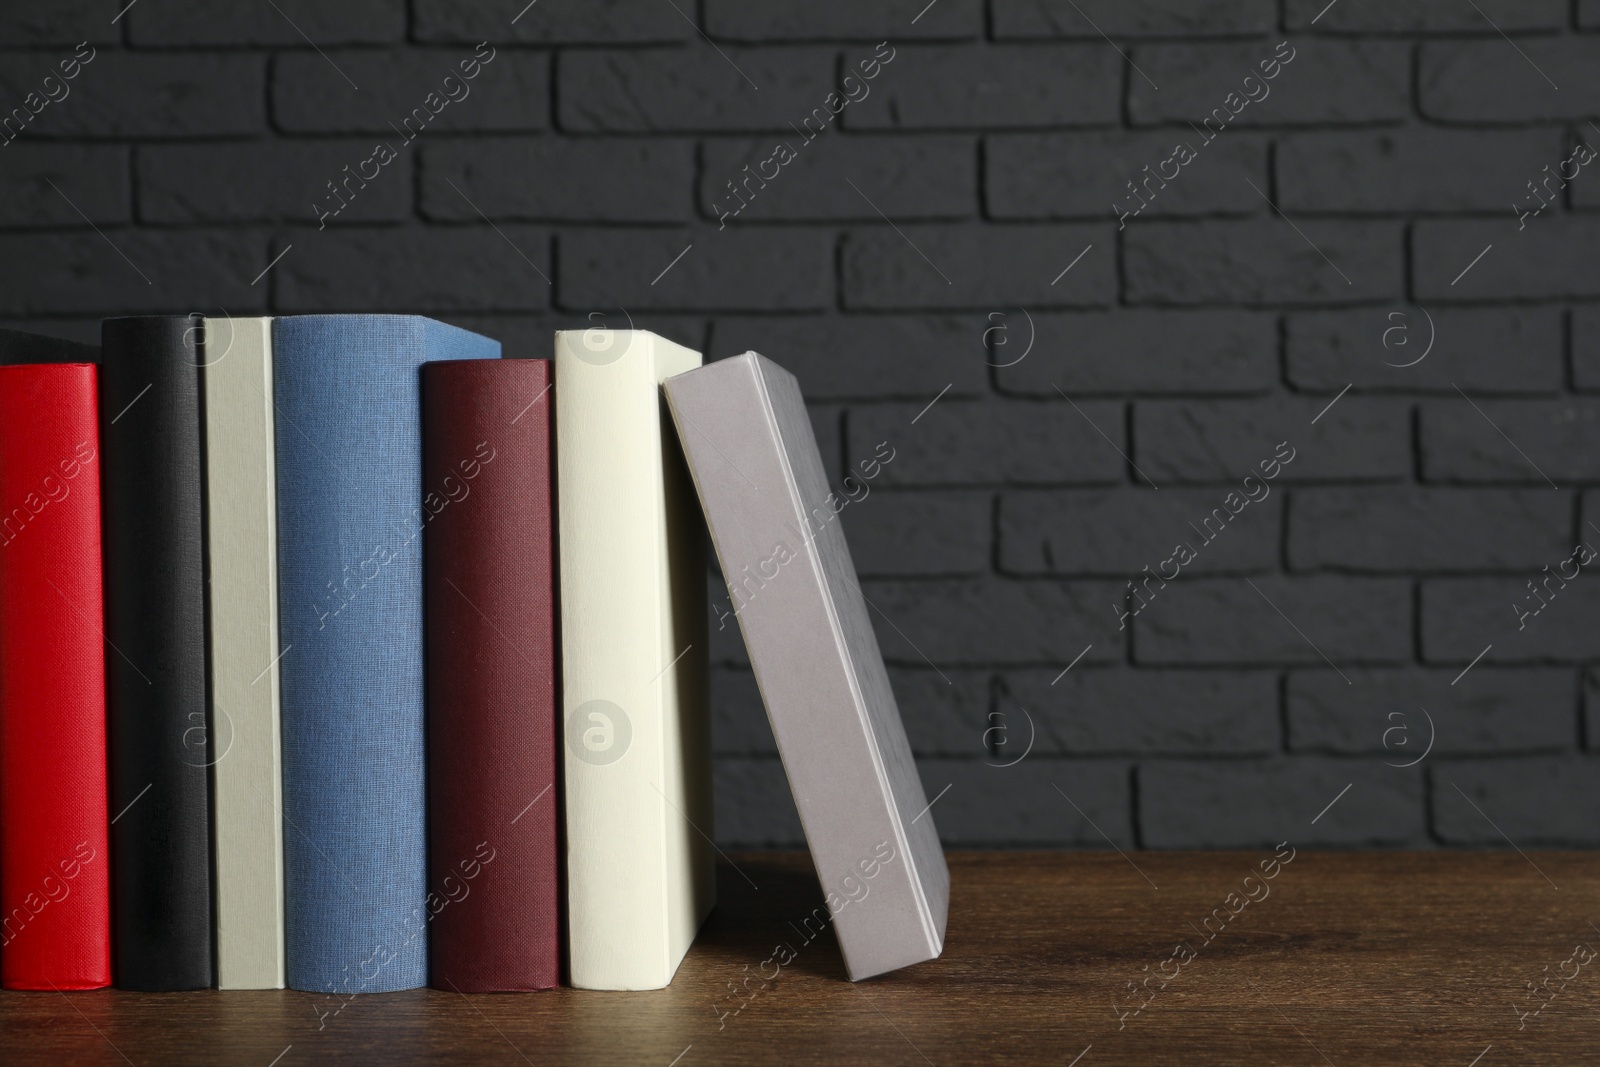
(636, 732)
(241, 542)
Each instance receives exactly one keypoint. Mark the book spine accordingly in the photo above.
(351, 516)
(490, 567)
(55, 856)
(241, 541)
(159, 719)
(633, 658)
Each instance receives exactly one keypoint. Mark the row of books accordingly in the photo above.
(338, 652)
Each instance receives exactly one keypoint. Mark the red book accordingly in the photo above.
(491, 654)
(55, 871)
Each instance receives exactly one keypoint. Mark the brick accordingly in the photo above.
(545, 179)
(509, 92)
(1118, 532)
(1586, 348)
(1591, 709)
(938, 87)
(660, 90)
(1410, 171)
(86, 273)
(1420, 16)
(284, 22)
(531, 336)
(753, 805)
(1541, 262)
(959, 442)
(840, 20)
(1381, 712)
(608, 22)
(1411, 530)
(1534, 801)
(990, 267)
(1323, 82)
(1490, 350)
(1133, 18)
(1463, 617)
(1489, 80)
(865, 357)
(899, 534)
(137, 95)
(1114, 711)
(1588, 14)
(65, 23)
(732, 271)
(458, 269)
(261, 181)
(1356, 439)
(945, 714)
(1511, 440)
(1261, 261)
(1261, 803)
(95, 177)
(948, 622)
(1225, 621)
(1149, 351)
(738, 717)
(1030, 804)
(1088, 175)
(930, 178)
(83, 330)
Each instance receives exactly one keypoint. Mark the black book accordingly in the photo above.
(158, 712)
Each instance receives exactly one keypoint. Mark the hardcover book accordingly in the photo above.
(635, 725)
(490, 568)
(776, 528)
(242, 543)
(352, 510)
(55, 855)
(153, 518)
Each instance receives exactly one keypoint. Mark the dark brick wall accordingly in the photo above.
(1070, 394)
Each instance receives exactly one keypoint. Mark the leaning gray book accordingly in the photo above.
(776, 527)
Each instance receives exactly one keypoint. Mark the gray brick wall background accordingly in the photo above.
(1361, 207)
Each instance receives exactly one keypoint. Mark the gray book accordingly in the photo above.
(792, 589)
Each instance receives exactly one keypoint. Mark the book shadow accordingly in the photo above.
(775, 899)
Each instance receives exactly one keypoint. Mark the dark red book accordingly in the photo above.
(491, 659)
(55, 859)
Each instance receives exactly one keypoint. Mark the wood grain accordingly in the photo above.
(1351, 958)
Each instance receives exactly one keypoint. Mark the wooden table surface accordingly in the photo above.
(1343, 958)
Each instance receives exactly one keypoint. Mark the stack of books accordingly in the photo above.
(339, 653)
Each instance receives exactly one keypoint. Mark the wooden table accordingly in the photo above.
(1345, 958)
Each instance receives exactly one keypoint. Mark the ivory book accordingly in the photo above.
(636, 746)
(776, 528)
(242, 542)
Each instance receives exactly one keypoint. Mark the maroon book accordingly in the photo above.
(489, 559)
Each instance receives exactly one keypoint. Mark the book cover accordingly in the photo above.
(352, 514)
(55, 855)
(636, 747)
(153, 517)
(777, 530)
(242, 547)
(490, 572)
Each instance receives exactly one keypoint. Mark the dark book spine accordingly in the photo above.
(490, 575)
(155, 604)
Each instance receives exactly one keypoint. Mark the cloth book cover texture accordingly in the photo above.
(776, 528)
(242, 547)
(55, 857)
(490, 555)
(636, 744)
(351, 515)
(153, 517)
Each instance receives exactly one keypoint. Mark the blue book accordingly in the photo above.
(352, 512)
